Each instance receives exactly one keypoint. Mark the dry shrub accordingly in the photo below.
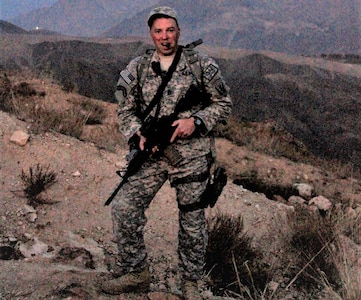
(22, 100)
(313, 244)
(105, 136)
(345, 260)
(324, 256)
(5, 93)
(93, 112)
(72, 120)
(266, 137)
(234, 267)
(23, 89)
(36, 181)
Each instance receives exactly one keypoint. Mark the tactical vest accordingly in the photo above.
(192, 58)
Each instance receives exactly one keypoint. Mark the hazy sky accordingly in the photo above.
(12, 8)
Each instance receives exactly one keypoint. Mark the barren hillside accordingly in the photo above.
(58, 248)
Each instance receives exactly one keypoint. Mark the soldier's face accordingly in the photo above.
(165, 35)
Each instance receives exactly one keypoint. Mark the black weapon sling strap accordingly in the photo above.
(192, 60)
(158, 96)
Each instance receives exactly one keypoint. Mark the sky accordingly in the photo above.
(12, 8)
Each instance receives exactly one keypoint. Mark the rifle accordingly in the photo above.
(158, 133)
(137, 159)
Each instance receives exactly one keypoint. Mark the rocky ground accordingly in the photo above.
(64, 242)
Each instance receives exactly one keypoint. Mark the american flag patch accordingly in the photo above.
(210, 72)
(127, 76)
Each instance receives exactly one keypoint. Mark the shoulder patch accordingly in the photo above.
(221, 87)
(210, 72)
(123, 90)
(127, 76)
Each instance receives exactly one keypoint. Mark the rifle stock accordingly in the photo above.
(137, 160)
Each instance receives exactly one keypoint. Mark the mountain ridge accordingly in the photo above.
(315, 99)
(331, 27)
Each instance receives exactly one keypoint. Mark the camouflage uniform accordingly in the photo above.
(189, 177)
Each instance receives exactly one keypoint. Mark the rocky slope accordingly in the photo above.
(58, 249)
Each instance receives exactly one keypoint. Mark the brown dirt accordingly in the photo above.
(76, 220)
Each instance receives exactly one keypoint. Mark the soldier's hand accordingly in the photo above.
(185, 128)
(142, 141)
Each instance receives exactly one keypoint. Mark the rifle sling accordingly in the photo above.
(165, 80)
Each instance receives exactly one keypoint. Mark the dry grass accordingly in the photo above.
(319, 248)
(267, 137)
(319, 265)
(36, 181)
(233, 266)
(5, 93)
(47, 110)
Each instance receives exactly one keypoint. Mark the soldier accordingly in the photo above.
(186, 162)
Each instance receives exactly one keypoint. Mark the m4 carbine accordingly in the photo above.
(158, 133)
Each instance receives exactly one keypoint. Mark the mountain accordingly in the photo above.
(13, 8)
(316, 100)
(56, 236)
(79, 18)
(306, 28)
(299, 28)
(6, 27)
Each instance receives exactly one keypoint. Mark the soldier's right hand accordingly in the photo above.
(143, 141)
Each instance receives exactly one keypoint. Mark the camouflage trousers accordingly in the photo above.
(130, 204)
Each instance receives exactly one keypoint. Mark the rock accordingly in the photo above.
(76, 174)
(20, 138)
(72, 240)
(30, 213)
(304, 190)
(296, 200)
(32, 217)
(321, 202)
(28, 209)
(29, 236)
(12, 239)
(33, 247)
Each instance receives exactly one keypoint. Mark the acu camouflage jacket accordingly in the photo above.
(135, 91)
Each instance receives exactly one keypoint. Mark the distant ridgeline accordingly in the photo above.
(345, 58)
(318, 106)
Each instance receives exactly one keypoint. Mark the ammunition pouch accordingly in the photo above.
(172, 155)
(211, 194)
(191, 178)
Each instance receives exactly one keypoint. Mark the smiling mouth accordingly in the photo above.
(166, 45)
